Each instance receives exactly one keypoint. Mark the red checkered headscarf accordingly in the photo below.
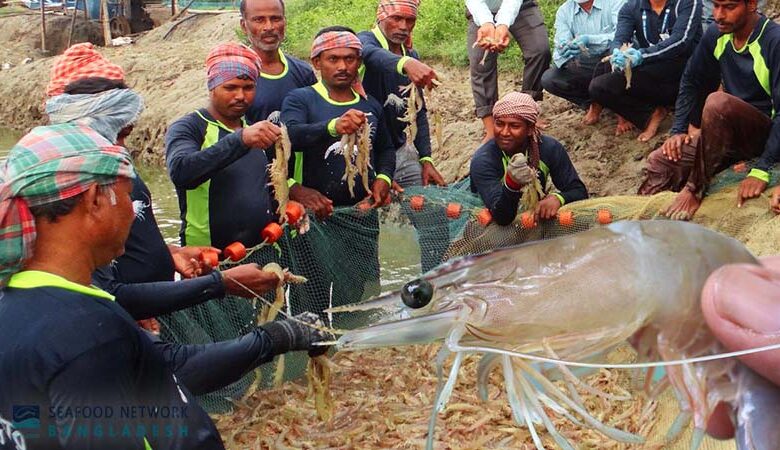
(339, 39)
(50, 164)
(407, 8)
(522, 106)
(231, 60)
(77, 62)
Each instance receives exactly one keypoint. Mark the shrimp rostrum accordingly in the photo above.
(568, 302)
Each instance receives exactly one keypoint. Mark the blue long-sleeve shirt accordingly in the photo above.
(671, 35)
(384, 76)
(488, 168)
(69, 351)
(272, 89)
(310, 116)
(705, 71)
(239, 204)
(598, 25)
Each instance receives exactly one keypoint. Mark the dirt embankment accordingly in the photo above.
(168, 73)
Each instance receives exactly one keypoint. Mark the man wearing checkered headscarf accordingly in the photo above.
(338, 39)
(50, 164)
(230, 60)
(505, 165)
(77, 62)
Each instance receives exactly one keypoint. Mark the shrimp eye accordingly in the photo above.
(416, 294)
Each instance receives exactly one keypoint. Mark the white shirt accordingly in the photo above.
(484, 11)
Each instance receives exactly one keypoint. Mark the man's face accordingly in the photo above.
(732, 15)
(232, 98)
(511, 133)
(115, 215)
(397, 28)
(338, 67)
(264, 24)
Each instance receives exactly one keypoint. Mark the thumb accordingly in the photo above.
(741, 304)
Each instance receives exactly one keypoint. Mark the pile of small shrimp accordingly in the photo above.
(382, 399)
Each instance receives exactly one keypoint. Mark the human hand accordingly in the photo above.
(249, 280)
(774, 204)
(750, 187)
(519, 170)
(312, 199)
(486, 36)
(430, 175)
(501, 39)
(672, 146)
(186, 260)
(350, 122)
(260, 135)
(548, 207)
(301, 332)
(380, 193)
(634, 56)
(421, 74)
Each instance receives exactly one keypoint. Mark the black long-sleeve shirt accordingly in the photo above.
(671, 35)
(310, 117)
(69, 355)
(384, 76)
(488, 168)
(705, 71)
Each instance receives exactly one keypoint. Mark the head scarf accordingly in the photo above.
(387, 8)
(105, 112)
(231, 60)
(77, 62)
(339, 39)
(49, 164)
(522, 106)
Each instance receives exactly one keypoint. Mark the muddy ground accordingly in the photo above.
(166, 67)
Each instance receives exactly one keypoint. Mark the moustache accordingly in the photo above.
(241, 104)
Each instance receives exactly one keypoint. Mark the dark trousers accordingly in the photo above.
(652, 85)
(731, 130)
(531, 34)
(573, 79)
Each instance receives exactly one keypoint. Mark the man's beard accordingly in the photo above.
(257, 41)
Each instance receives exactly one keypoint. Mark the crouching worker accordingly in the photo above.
(519, 152)
(66, 209)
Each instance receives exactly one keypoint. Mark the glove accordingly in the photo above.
(570, 53)
(294, 334)
(519, 171)
(618, 59)
(580, 41)
(634, 56)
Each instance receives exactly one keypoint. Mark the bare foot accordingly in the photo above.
(623, 126)
(592, 116)
(683, 207)
(652, 125)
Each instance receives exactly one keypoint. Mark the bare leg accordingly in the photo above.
(623, 126)
(684, 206)
(652, 125)
(487, 124)
(593, 114)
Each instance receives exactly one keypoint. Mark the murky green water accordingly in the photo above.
(399, 253)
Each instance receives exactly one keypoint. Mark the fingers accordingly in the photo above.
(741, 304)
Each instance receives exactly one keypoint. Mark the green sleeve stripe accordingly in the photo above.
(400, 66)
(560, 198)
(427, 159)
(332, 128)
(385, 178)
(760, 174)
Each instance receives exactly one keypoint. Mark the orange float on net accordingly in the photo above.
(566, 218)
(417, 202)
(235, 251)
(603, 216)
(209, 258)
(272, 232)
(294, 212)
(484, 217)
(527, 219)
(454, 210)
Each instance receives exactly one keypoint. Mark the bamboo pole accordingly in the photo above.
(104, 19)
(73, 21)
(43, 26)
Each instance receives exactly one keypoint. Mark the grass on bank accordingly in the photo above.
(440, 33)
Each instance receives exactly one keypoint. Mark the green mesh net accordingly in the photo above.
(356, 254)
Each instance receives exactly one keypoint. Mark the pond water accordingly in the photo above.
(399, 253)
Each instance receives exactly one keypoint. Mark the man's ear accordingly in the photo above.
(91, 198)
(242, 22)
(316, 62)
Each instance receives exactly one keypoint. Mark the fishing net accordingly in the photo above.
(356, 254)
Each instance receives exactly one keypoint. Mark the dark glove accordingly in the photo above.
(294, 334)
